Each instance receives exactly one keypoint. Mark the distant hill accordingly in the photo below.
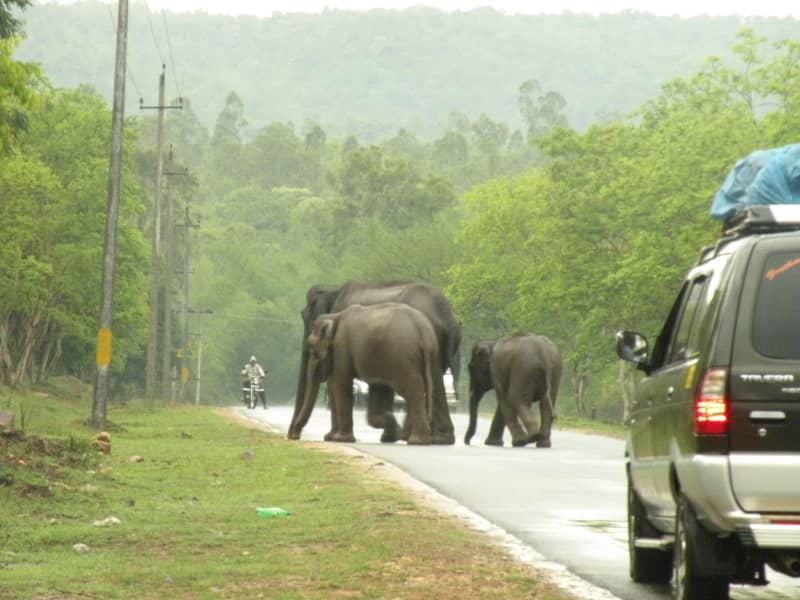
(370, 73)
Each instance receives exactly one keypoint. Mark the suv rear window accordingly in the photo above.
(776, 323)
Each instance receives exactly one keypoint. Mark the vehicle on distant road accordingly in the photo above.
(361, 390)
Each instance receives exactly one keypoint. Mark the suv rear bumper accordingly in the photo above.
(706, 481)
(770, 535)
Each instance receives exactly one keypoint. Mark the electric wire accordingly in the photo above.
(128, 70)
(271, 319)
(153, 33)
(171, 58)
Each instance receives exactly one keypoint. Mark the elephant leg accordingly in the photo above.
(379, 412)
(405, 430)
(417, 423)
(548, 415)
(342, 392)
(442, 430)
(522, 395)
(332, 409)
(495, 437)
(530, 422)
(518, 435)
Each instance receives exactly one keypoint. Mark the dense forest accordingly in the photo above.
(370, 73)
(531, 225)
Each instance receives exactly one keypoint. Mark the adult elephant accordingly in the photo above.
(523, 368)
(322, 299)
(388, 344)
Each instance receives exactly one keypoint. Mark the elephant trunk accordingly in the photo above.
(311, 388)
(300, 393)
(474, 399)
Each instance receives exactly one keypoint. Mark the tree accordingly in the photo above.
(9, 24)
(588, 243)
(450, 152)
(188, 137)
(230, 121)
(17, 92)
(52, 228)
(276, 157)
(490, 136)
(406, 145)
(371, 184)
(541, 111)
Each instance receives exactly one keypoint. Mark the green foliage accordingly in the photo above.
(9, 23)
(599, 238)
(52, 226)
(541, 112)
(17, 91)
(371, 184)
(370, 73)
(528, 224)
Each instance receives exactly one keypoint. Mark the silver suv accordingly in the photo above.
(713, 445)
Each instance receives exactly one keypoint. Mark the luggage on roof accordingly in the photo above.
(763, 177)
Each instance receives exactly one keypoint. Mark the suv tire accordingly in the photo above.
(647, 565)
(688, 583)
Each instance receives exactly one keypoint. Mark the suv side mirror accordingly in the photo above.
(632, 347)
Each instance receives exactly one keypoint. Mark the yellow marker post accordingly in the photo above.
(185, 374)
(104, 347)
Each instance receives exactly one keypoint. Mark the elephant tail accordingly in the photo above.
(427, 376)
(551, 392)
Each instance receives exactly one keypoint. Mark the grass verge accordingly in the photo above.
(185, 483)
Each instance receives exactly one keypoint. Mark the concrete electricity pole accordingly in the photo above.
(185, 304)
(199, 367)
(167, 350)
(102, 379)
(155, 257)
(155, 263)
(169, 270)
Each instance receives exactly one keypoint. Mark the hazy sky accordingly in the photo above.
(684, 8)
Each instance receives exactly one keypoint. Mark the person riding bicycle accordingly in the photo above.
(253, 372)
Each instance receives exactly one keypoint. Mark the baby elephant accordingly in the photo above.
(389, 344)
(523, 368)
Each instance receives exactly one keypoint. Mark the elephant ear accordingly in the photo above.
(327, 330)
(319, 300)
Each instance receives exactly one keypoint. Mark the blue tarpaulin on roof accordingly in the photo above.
(762, 177)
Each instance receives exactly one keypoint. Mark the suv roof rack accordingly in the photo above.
(765, 218)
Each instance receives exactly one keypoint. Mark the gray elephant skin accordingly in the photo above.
(522, 369)
(324, 299)
(387, 344)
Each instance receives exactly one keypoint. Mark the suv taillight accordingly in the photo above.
(711, 404)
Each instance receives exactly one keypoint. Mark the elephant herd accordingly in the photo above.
(400, 337)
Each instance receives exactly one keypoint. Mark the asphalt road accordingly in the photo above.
(566, 503)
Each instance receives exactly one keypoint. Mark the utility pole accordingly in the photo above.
(185, 305)
(155, 256)
(199, 365)
(169, 273)
(155, 270)
(102, 379)
(166, 351)
(199, 337)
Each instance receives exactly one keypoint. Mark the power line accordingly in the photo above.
(171, 59)
(153, 33)
(257, 318)
(128, 71)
